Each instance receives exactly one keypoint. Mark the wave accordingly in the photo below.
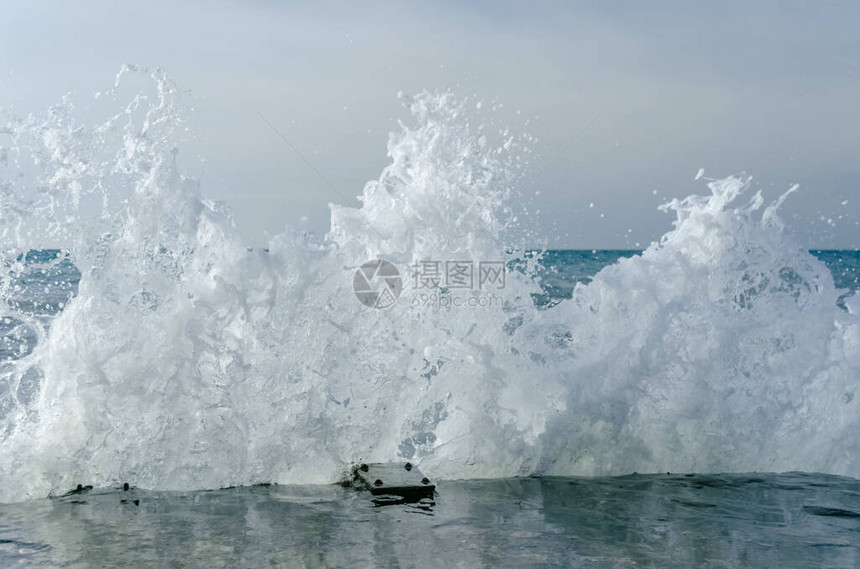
(188, 361)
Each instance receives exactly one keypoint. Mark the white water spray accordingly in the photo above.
(186, 361)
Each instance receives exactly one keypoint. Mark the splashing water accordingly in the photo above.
(721, 348)
(186, 361)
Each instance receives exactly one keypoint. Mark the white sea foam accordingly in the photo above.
(187, 361)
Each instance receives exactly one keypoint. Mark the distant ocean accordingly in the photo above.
(561, 270)
(696, 403)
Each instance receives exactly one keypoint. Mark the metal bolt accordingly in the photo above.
(125, 487)
(377, 482)
(408, 466)
(425, 480)
(364, 468)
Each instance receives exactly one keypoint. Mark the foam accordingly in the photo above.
(187, 361)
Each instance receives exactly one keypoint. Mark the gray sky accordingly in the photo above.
(766, 88)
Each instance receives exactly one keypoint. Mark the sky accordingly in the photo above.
(768, 89)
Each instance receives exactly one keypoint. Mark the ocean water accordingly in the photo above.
(774, 520)
(143, 342)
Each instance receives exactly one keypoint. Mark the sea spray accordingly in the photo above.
(720, 348)
(187, 361)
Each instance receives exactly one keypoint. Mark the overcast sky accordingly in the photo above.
(766, 88)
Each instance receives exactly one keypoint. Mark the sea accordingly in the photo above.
(173, 397)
